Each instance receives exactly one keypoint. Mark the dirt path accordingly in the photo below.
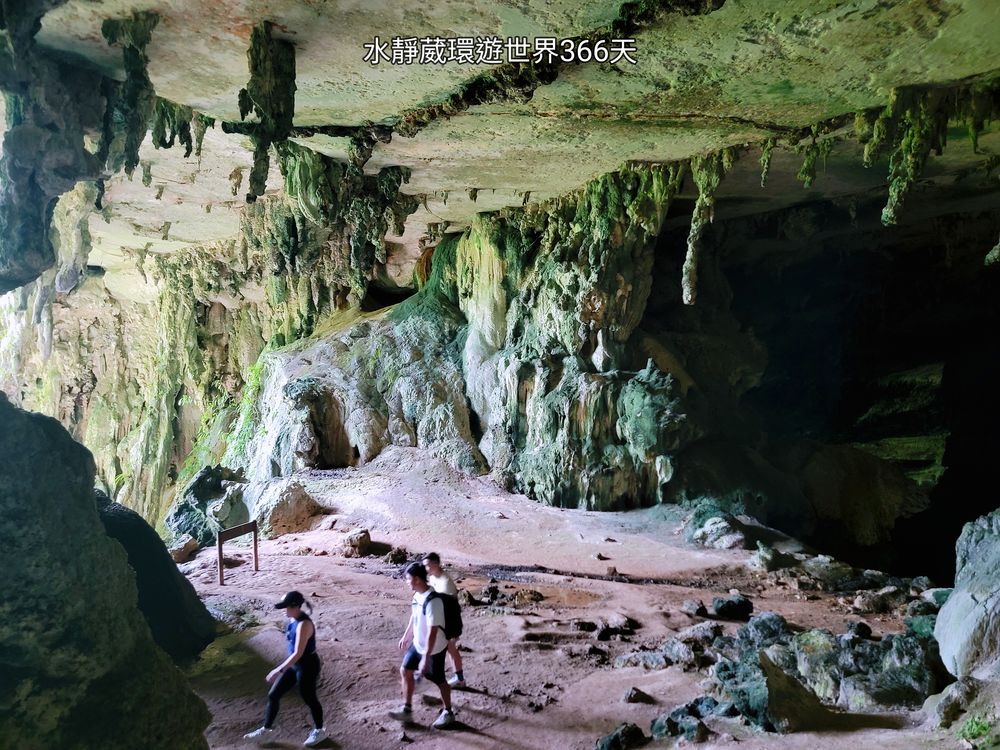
(539, 678)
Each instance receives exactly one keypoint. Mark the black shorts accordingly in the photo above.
(435, 664)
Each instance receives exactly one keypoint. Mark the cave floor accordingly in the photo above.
(535, 678)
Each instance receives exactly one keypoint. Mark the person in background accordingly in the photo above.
(442, 583)
(301, 668)
(425, 645)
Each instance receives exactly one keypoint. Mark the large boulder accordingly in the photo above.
(968, 625)
(80, 668)
(180, 624)
(280, 507)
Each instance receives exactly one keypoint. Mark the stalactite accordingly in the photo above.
(172, 122)
(707, 172)
(270, 95)
(765, 159)
(134, 107)
(199, 126)
(914, 123)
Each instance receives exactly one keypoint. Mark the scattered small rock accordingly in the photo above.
(182, 549)
(879, 602)
(599, 556)
(635, 695)
(936, 596)
(859, 629)
(467, 599)
(625, 737)
(919, 607)
(525, 597)
(396, 556)
(733, 607)
(694, 607)
(357, 543)
(768, 559)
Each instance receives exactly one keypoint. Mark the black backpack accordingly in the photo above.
(452, 613)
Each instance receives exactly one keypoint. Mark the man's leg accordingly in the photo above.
(435, 673)
(407, 680)
(411, 660)
(456, 657)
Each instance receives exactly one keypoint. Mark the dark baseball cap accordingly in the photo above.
(291, 599)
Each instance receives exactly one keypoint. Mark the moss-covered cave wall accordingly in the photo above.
(139, 383)
(544, 364)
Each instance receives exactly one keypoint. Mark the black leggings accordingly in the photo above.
(305, 673)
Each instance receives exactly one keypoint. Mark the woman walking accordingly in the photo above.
(301, 668)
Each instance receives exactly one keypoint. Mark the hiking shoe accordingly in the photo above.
(315, 737)
(446, 719)
(261, 733)
(404, 713)
(456, 681)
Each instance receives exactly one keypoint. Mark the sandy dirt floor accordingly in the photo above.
(538, 676)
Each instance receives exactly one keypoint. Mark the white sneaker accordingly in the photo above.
(315, 737)
(456, 681)
(261, 733)
(446, 719)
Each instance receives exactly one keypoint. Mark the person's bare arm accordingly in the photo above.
(302, 635)
(407, 635)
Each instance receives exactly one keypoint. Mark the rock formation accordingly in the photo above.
(565, 274)
(81, 668)
(968, 625)
(178, 620)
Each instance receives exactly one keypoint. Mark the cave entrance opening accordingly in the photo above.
(333, 445)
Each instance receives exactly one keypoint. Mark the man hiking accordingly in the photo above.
(425, 644)
(442, 583)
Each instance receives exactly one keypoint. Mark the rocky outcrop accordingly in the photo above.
(219, 498)
(212, 501)
(81, 668)
(180, 623)
(852, 671)
(509, 360)
(968, 625)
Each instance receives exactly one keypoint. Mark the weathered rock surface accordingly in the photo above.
(624, 737)
(182, 549)
(211, 501)
(850, 671)
(180, 623)
(943, 709)
(968, 625)
(357, 543)
(280, 507)
(89, 675)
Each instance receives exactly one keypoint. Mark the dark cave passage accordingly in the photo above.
(820, 325)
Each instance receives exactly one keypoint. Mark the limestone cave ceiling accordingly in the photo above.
(708, 75)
